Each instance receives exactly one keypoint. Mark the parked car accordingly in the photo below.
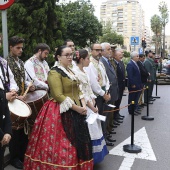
(166, 67)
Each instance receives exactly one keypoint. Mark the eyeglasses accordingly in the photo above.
(98, 50)
(68, 55)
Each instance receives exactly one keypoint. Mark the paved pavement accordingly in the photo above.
(152, 136)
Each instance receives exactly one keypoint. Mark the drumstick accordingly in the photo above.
(26, 91)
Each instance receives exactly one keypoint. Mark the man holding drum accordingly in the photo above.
(8, 88)
(19, 141)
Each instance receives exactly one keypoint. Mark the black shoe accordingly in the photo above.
(112, 133)
(114, 126)
(149, 103)
(109, 143)
(118, 121)
(151, 99)
(110, 140)
(121, 116)
(115, 123)
(138, 112)
(17, 163)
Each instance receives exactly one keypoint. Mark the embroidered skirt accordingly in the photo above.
(50, 148)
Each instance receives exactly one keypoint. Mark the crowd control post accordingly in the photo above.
(156, 84)
(147, 117)
(132, 148)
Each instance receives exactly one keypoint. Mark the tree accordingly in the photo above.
(156, 27)
(37, 22)
(82, 26)
(112, 38)
(163, 9)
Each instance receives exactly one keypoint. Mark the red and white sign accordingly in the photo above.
(4, 4)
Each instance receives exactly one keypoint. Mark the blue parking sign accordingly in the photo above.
(140, 50)
(134, 40)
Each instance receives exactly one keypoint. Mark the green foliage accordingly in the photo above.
(126, 60)
(163, 9)
(37, 22)
(108, 27)
(126, 54)
(82, 26)
(50, 60)
(156, 25)
(111, 38)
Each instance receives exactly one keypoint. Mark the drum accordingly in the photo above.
(20, 111)
(36, 100)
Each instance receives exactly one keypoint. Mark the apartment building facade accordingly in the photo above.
(127, 18)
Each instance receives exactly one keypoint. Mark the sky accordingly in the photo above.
(150, 8)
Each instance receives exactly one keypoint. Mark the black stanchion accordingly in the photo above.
(131, 148)
(156, 97)
(147, 117)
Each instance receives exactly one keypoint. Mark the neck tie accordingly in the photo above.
(109, 63)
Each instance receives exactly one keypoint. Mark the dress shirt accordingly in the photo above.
(93, 75)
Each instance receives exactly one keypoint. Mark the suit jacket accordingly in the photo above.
(134, 76)
(144, 73)
(120, 73)
(114, 90)
(150, 68)
(123, 67)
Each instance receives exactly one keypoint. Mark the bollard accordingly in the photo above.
(131, 148)
(147, 117)
(156, 97)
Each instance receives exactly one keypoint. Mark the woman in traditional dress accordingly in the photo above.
(98, 143)
(60, 139)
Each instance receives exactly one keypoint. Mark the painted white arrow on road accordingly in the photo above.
(140, 139)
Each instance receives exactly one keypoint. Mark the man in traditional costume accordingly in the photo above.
(37, 67)
(18, 144)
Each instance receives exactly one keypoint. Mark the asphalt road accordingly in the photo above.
(152, 136)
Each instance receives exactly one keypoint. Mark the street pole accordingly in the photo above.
(4, 33)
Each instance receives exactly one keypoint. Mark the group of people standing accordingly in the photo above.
(79, 86)
(141, 73)
(15, 77)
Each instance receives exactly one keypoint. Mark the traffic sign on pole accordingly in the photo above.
(140, 50)
(134, 40)
(4, 4)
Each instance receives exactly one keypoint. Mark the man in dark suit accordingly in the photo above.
(134, 82)
(144, 74)
(121, 82)
(111, 74)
